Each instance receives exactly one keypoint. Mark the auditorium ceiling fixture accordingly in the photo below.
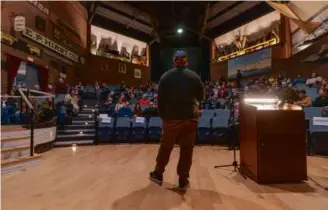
(157, 21)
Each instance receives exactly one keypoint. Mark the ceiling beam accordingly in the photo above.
(227, 9)
(119, 28)
(156, 31)
(204, 22)
(92, 11)
(152, 14)
(132, 17)
(249, 15)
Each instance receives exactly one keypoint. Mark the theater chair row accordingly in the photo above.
(128, 130)
(317, 135)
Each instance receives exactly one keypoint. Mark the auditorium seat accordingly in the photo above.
(59, 98)
(222, 102)
(123, 129)
(220, 125)
(154, 129)
(225, 113)
(131, 106)
(318, 138)
(89, 92)
(105, 129)
(301, 86)
(139, 126)
(312, 93)
(311, 112)
(204, 130)
(208, 113)
(144, 107)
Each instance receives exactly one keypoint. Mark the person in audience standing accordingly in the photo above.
(61, 87)
(79, 89)
(179, 92)
(305, 101)
(97, 90)
(238, 78)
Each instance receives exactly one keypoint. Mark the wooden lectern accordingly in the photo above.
(272, 143)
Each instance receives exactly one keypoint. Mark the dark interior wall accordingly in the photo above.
(293, 65)
(103, 69)
(218, 69)
(155, 66)
(198, 59)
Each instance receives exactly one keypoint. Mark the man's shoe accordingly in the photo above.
(183, 184)
(155, 177)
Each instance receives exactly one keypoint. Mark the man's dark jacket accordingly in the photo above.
(179, 90)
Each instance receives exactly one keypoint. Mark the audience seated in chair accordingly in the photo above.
(71, 101)
(305, 101)
(313, 80)
(144, 100)
(322, 99)
(137, 112)
(125, 111)
(120, 104)
(151, 111)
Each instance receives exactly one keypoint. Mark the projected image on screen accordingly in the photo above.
(254, 64)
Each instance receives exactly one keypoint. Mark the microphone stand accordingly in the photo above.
(235, 163)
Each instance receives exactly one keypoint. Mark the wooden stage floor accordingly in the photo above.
(115, 177)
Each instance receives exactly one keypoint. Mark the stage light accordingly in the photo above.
(263, 103)
(179, 30)
(89, 116)
(86, 123)
(261, 100)
(85, 106)
(81, 132)
(93, 110)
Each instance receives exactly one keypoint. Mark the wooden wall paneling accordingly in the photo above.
(103, 69)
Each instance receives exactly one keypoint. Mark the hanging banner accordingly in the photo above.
(27, 32)
(19, 23)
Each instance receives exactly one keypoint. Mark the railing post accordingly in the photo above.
(21, 106)
(27, 96)
(96, 126)
(32, 134)
(53, 104)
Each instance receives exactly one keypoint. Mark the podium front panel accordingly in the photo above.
(282, 146)
(272, 144)
(248, 141)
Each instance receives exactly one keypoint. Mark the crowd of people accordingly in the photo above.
(140, 101)
(143, 100)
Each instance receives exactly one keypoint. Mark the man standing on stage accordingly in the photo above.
(179, 91)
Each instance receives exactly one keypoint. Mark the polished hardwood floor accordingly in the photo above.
(115, 177)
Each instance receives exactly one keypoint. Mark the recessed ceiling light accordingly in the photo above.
(179, 30)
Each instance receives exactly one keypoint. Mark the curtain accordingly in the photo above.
(12, 66)
(32, 76)
(43, 78)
